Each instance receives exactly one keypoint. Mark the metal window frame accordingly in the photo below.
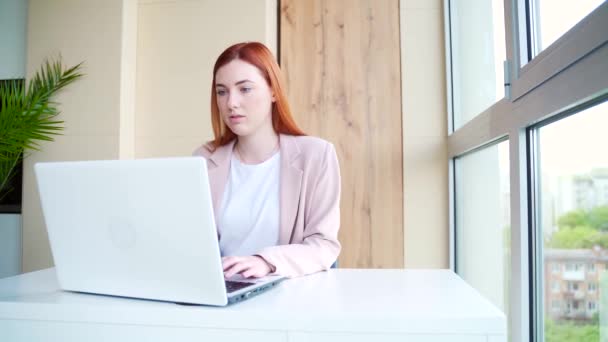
(569, 75)
(536, 252)
(587, 35)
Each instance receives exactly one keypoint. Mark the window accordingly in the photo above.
(482, 225)
(555, 78)
(574, 267)
(551, 36)
(572, 286)
(555, 286)
(556, 305)
(478, 54)
(574, 229)
(591, 306)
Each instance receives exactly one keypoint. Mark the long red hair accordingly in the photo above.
(258, 55)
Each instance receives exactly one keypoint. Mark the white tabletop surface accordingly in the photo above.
(410, 301)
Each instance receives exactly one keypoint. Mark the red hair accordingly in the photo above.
(258, 55)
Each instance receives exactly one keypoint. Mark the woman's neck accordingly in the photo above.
(257, 149)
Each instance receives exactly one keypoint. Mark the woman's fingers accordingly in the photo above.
(236, 269)
(236, 266)
(259, 269)
(229, 261)
(250, 266)
(255, 272)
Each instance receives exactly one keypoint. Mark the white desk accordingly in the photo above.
(339, 305)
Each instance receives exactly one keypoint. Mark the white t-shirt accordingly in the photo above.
(249, 219)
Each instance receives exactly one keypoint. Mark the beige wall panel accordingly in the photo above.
(128, 67)
(178, 42)
(341, 60)
(158, 147)
(425, 173)
(79, 30)
(420, 4)
(426, 207)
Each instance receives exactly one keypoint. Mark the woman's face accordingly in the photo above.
(243, 98)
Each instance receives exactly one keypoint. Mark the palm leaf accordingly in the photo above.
(28, 115)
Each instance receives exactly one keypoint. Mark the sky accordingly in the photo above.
(576, 144)
(558, 16)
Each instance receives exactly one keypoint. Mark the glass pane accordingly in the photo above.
(483, 247)
(573, 215)
(478, 53)
(556, 17)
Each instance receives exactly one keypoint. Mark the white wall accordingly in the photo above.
(13, 20)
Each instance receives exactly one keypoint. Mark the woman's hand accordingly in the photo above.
(248, 266)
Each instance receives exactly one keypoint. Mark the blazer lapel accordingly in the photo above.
(218, 169)
(290, 183)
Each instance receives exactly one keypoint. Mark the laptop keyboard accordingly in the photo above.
(232, 286)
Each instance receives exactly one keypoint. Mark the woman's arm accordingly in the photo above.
(319, 247)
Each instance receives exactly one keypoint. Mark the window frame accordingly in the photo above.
(562, 79)
(530, 70)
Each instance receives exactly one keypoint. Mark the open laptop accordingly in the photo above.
(138, 228)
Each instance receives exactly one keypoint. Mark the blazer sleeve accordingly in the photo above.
(319, 247)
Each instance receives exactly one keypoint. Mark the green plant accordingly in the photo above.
(28, 115)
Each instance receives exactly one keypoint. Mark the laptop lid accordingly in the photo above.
(134, 228)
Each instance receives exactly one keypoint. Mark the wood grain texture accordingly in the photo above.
(341, 60)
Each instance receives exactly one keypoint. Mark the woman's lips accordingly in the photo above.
(236, 118)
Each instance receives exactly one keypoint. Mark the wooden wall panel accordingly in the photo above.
(341, 60)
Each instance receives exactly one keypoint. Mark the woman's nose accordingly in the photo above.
(233, 100)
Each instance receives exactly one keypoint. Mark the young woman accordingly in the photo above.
(275, 191)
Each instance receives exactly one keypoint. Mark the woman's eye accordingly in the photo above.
(245, 89)
(220, 92)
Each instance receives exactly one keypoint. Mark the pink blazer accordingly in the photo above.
(309, 202)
